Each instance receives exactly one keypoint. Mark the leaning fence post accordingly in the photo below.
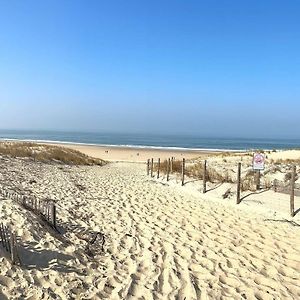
(292, 198)
(238, 192)
(158, 167)
(168, 169)
(148, 166)
(182, 171)
(204, 176)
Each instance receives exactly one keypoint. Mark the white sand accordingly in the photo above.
(132, 154)
(163, 241)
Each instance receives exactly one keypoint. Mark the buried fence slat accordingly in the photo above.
(3, 237)
(275, 185)
(12, 247)
(168, 169)
(292, 197)
(49, 211)
(151, 167)
(7, 239)
(148, 166)
(204, 176)
(182, 171)
(238, 192)
(53, 214)
(158, 167)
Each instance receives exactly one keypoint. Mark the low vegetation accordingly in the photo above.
(249, 181)
(47, 153)
(287, 161)
(176, 166)
(212, 175)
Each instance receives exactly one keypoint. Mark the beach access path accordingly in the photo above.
(162, 241)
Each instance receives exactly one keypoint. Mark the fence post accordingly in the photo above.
(151, 167)
(171, 165)
(204, 176)
(53, 214)
(12, 247)
(168, 169)
(148, 166)
(158, 167)
(258, 180)
(182, 171)
(2, 236)
(292, 198)
(238, 192)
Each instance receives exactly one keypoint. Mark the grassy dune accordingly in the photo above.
(47, 153)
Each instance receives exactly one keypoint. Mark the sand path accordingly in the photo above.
(162, 243)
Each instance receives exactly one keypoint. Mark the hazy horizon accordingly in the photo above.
(171, 67)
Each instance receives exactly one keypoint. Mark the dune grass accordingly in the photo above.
(47, 153)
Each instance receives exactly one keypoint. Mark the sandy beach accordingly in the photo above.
(161, 240)
(131, 154)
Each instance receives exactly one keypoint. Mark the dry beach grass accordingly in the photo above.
(47, 153)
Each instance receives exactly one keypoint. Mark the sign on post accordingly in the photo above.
(258, 161)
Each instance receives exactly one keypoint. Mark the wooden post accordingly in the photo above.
(158, 167)
(53, 214)
(168, 169)
(204, 176)
(238, 192)
(258, 180)
(12, 247)
(151, 167)
(148, 166)
(292, 198)
(171, 165)
(2, 235)
(182, 171)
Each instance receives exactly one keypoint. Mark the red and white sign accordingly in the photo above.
(258, 161)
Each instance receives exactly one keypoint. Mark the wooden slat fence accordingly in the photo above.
(285, 188)
(45, 209)
(9, 243)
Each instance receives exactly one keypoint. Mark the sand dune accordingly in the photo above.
(162, 241)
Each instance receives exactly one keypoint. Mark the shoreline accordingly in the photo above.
(137, 147)
(140, 154)
(114, 153)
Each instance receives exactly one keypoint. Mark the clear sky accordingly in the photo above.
(222, 68)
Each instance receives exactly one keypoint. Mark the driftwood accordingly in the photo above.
(96, 244)
(227, 194)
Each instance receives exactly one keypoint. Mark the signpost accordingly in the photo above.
(258, 165)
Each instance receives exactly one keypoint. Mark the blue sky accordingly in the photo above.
(221, 68)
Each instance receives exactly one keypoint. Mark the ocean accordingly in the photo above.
(151, 140)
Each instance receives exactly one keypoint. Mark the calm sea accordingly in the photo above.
(149, 140)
